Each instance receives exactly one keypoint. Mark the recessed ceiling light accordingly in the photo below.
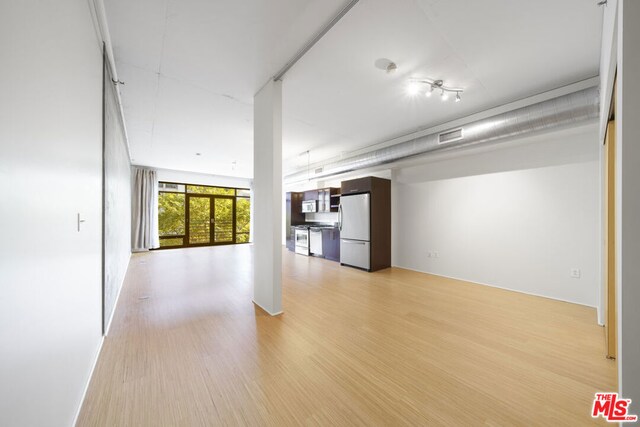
(385, 64)
(391, 68)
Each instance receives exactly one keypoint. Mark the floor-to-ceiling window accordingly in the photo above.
(201, 215)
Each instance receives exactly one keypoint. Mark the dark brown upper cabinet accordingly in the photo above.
(311, 195)
(359, 185)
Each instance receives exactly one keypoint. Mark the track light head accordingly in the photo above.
(458, 99)
(443, 95)
(429, 92)
(413, 88)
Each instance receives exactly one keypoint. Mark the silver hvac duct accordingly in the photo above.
(564, 110)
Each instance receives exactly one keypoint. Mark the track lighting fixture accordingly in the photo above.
(417, 85)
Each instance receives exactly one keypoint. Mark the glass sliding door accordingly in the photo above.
(199, 220)
(200, 215)
(171, 219)
(223, 219)
(243, 219)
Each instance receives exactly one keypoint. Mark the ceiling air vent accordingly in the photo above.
(319, 170)
(450, 136)
(168, 186)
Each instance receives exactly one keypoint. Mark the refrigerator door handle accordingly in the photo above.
(340, 217)
(354, 242)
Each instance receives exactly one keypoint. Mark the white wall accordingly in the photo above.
(117, 202)
(520, 216)
(50, 168)
(203, 179)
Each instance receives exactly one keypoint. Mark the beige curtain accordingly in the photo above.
(144, 206)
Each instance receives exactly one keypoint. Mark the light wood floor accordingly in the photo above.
(188, 348)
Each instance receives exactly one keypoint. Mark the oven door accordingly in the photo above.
(302, 242)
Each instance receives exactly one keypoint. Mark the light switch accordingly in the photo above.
(80, 221)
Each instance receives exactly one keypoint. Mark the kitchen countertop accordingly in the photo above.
(308, 227)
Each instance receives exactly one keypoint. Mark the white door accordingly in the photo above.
(354, 217)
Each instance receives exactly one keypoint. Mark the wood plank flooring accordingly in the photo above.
(188, 348)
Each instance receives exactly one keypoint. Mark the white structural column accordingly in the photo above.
(628, 201)
(267, 191)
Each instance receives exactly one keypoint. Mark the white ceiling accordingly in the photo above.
(191, 69)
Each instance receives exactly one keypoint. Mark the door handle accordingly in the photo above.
(351, 242)
(340, 217)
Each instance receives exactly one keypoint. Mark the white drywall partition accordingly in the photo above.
(117, 201)
(267, 197)
(621, 36)
(50, 167)
(628, 202)
(519, 217)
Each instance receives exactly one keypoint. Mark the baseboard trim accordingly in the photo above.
(265, 310)
(86, 387)
(97, 357)
(115, 306)
(497, 286)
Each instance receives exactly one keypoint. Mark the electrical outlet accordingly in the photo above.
(429, 255)
(575, 273)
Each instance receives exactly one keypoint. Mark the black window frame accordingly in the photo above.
(187, 194)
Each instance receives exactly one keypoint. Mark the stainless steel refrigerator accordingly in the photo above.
(354, 215)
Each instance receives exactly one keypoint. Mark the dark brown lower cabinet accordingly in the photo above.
(331, 244)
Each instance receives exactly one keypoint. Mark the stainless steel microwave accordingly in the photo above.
(309, 206)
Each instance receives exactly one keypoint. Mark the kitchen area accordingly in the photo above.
(350, 224)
